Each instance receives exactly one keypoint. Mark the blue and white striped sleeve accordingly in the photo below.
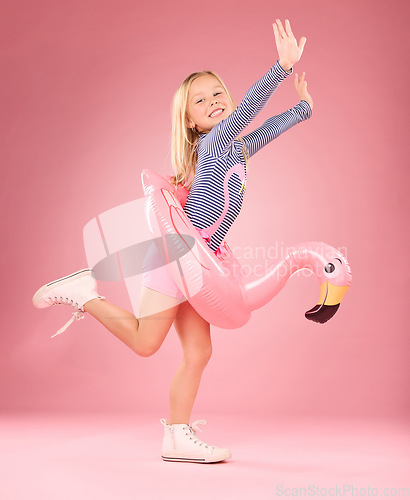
(275, 126)
(253, 102)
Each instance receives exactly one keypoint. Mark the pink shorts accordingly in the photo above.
(156, 276)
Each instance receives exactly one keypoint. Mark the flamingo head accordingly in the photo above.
(335, 279)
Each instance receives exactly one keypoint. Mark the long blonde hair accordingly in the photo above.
(184, 139)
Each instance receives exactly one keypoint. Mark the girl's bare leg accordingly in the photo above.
(146, 334)
(195, 336)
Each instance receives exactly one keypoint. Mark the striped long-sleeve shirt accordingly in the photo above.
(216, 194)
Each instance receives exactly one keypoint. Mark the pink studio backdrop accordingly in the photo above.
(86, 94)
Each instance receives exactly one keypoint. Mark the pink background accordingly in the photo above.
(86, 95)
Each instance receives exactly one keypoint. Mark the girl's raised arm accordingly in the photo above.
(288, 49)
(258, 95)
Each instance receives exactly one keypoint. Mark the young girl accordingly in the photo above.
(210, 159)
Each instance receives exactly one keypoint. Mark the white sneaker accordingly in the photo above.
(181, 444)
(74, 290)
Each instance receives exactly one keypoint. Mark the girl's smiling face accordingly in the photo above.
(208, 103)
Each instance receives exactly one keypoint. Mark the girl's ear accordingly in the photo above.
(190, 123)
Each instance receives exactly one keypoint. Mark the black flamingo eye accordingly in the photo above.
(329, 268)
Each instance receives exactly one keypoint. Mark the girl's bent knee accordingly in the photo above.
(147, 351)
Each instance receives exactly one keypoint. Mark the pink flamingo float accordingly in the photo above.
(214, 283)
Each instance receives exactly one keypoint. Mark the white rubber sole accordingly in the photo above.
(208, 460)
(37, 298)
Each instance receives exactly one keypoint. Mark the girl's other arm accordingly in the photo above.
(275, 126)
(278, 124)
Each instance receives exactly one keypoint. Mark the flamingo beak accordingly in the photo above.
(329, 302)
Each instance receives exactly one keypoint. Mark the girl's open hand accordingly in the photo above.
(288, 49)
(301, 89)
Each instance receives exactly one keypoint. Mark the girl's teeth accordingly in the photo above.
(215, 113)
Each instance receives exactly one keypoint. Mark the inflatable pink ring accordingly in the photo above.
(215, 285)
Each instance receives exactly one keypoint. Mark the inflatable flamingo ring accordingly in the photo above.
(216, 285)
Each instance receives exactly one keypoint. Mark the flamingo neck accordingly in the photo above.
(260, 291)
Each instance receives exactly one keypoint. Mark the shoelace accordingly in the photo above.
(78, 314)
(194, 428)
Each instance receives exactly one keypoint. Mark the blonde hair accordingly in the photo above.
(184, 139)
